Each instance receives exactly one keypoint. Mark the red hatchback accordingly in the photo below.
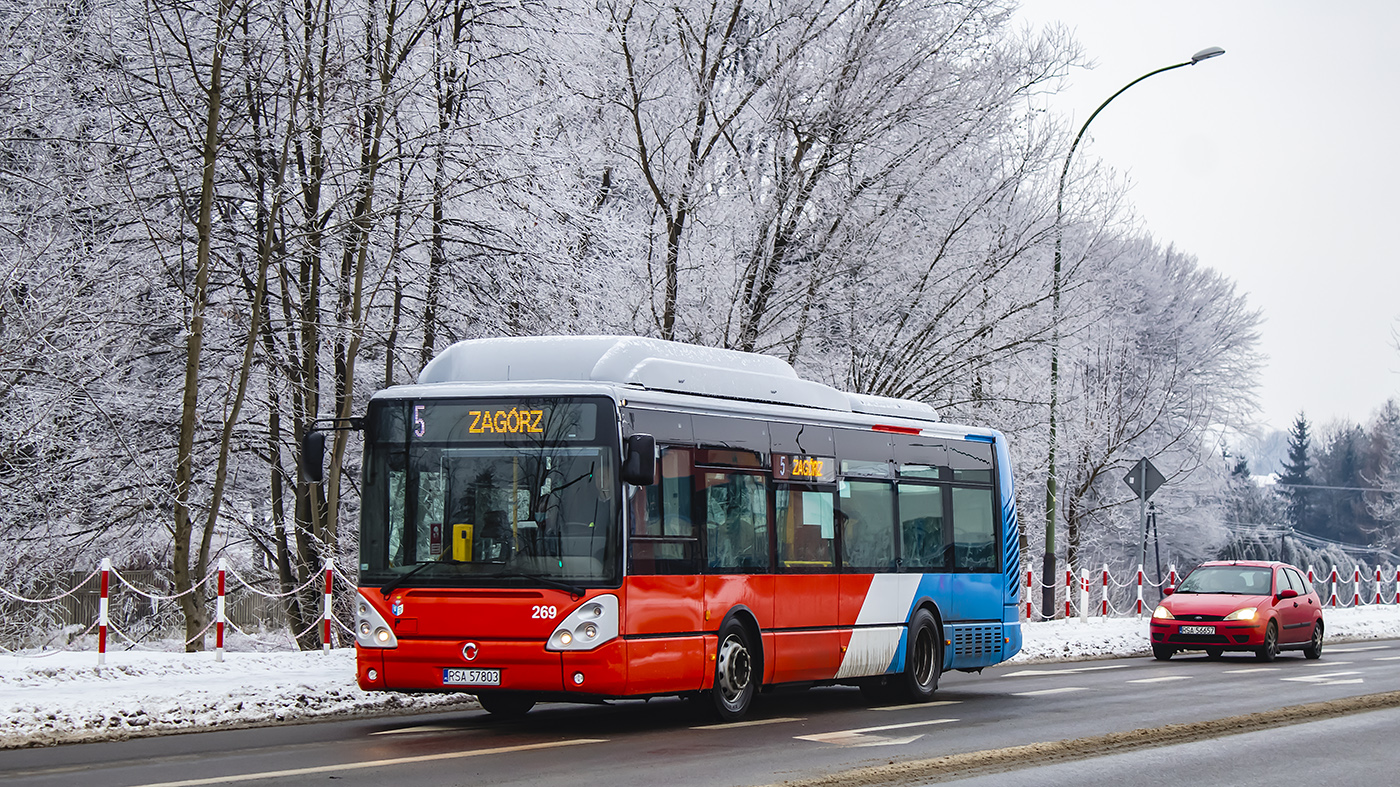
(1249, 605)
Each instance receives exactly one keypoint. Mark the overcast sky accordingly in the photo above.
(1275, 164)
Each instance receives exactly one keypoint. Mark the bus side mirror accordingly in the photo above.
(639, 465)
(313, 457)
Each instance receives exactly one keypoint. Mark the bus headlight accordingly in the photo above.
(593, 623)
(371, 629)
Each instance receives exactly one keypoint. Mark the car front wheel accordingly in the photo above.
(1269, 650)
(1161, 652)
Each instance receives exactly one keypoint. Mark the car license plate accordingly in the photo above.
(1198, 629)
(470, 677)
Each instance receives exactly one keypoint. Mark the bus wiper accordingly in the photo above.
(573, 590)
(422, 564)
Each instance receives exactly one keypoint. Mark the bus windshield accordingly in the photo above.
(472, 493)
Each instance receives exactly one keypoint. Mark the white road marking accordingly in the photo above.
(1251, 669)
(862, 737)
(1163, 679)
(1358, 648)
(754, 723)
(356, 766)
(933, 704)
(1329, 678)
(1071, 671)
(1328, 663)
(1043, 692)
(1386, 658)
(423, 728)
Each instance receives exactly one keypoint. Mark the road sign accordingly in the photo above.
(1144, 479)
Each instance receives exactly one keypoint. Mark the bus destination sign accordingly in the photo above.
(798, 467)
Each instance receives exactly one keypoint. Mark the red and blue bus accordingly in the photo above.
(591, 518)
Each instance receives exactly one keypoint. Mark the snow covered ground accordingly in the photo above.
(64, 697)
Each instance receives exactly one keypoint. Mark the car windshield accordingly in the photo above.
(1234, 580)
(463, 493)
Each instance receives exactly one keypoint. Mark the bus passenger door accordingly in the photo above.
(807, 587)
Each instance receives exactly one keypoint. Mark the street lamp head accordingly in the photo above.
(1206, 54)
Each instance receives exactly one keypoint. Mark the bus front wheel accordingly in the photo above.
(735, 681)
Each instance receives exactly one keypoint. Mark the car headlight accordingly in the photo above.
(1162, 613)
(1247, 613)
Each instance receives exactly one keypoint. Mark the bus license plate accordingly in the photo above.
(1198, 629)
(470, 677)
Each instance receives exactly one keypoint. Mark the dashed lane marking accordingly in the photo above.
(863, 737)
(1043, 692)
(1358, 648)
(1386, 658)
(1071, 671)
(357, 766)
(1163, 679)
(756, 722)
(1328, 678)
(933, 704)
(1247, 670)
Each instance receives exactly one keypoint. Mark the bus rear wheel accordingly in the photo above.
(505, 705)
(735, 682)
(923, 658)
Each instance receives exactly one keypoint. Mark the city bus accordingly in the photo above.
(593, 518)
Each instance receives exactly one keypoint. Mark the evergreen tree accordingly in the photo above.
(1296, 479)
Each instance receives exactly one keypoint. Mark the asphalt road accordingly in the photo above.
(793, 735)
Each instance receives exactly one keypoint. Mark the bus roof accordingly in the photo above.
(652, 364)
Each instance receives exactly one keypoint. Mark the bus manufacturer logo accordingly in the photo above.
(469, 651)
(397, 607)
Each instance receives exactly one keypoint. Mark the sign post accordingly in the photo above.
(1143, 479)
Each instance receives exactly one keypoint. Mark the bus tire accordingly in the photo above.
(505, 705)
(923, 658)
(735, 681)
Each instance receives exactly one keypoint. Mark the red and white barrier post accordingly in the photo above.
(1172, 576)
(1378, 585)
(1356, 587)
(1397, 585)
(1332, 600)
(102, 614)
(1103, 607)
(1083, 594)
(326, 615)
(1030, 591)
(219, 616)
(1139, 591)
(1069, 592)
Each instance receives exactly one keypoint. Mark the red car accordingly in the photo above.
(1249, 605)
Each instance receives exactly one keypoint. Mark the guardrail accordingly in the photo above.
(1379, 592)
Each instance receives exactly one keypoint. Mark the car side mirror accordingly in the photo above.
(1287, 593)
(639, 464)
(313, 457)
(1168, 590)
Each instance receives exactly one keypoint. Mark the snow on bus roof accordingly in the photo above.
(654, 364)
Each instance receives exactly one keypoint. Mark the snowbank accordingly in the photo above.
(64, 697)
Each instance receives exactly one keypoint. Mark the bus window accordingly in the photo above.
(972, 462)
(864, 453)
(867, 525)
(736, 520)
(974, 537)
(664, 540)
(922, 536)
(806, 528)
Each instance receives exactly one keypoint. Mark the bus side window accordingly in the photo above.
(806, 528)
(663, 539)
(974, 533)
(736, 520)
(867, 525)
(923, 537)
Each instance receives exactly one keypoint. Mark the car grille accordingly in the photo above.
(1200, 617)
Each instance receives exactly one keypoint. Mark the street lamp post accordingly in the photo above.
(1047, 578)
